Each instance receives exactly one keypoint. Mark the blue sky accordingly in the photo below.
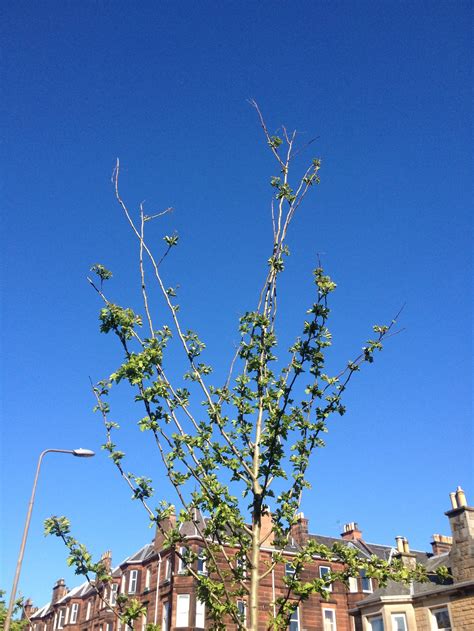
(385, 88)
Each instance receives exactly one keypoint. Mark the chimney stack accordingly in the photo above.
(59, 591)
(441, 544)
(106, 560)
(461, 520)
(266, 529)
(28, 609)
(351, 532)
(299, 530)
(166, 524)
(403, 552)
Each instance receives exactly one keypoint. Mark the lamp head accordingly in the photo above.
(83, 453)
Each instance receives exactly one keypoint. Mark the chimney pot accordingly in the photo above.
(441, 544)
(406, 546)
(351, 531)
(454, 502)
(399, 540)
(460, 497)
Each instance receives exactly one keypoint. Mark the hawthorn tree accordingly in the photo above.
(237, 449)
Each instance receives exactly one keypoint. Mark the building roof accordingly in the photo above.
(141, 555)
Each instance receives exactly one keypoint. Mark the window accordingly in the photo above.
(113, 594)
(108, 627)
(294, 621)
(242, 611)
(399, 622)
(182, 610)
(323, 570)
(353, 587)
(88, 611)
(201, 565)
(165, 617)
(329, 619)
(132, 582)
(74, 612)
(148, 578)
(200, 614)
(241, 564)
(376, 623)
(61, 618)
(366, 582)
(289, 569)
(168, 570)
(181, 561)
(440, 619)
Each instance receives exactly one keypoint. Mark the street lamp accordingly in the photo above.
(79, 453)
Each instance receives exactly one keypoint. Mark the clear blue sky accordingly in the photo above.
(386, 88)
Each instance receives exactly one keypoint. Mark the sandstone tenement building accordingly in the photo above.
(158, 578)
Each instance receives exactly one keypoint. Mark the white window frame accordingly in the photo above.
(113, 594)
(321, 575)
(132, 581)
(242, 564)
(200, 614)
(289, 569)
(242, 611)
(333, 622)
(434, 622)
(74, 613)
(182, 566)
(202, 562)
(165, 616)
(61, 618)
(148, 578)
(399, 614)
(182, 610)
(295, 617)
(168, 570)
(363, 578)
(89, 609)
(353, 585)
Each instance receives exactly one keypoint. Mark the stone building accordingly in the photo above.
(429, 606)
(159, 579)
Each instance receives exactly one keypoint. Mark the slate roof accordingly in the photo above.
(141, 555)
(431, 563)
(43, 611)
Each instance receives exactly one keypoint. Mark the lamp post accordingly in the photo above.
(79, 453)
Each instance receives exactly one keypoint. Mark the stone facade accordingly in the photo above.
(436, 605)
